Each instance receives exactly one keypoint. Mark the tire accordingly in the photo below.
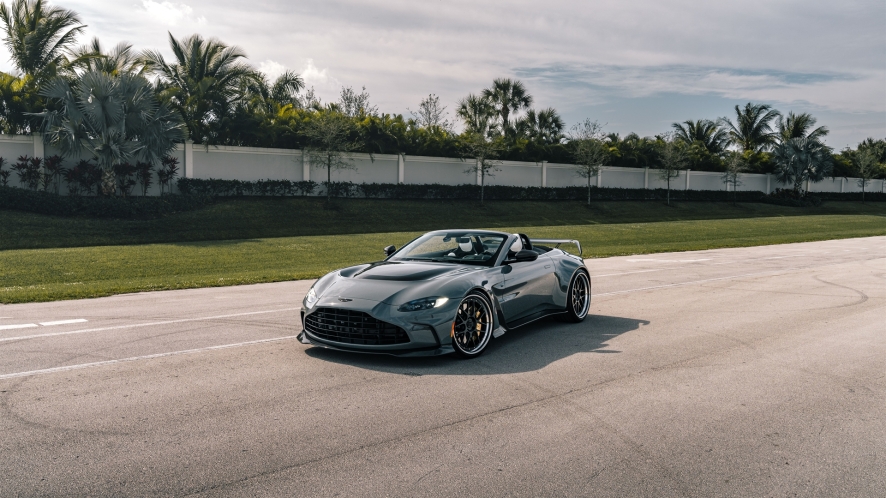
(472, 326)
(578, 299)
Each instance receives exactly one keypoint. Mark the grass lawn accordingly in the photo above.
(606, 229)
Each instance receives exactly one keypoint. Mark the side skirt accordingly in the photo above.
(531, 318)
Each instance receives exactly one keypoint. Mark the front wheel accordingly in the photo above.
(472, 327)
(578, 300)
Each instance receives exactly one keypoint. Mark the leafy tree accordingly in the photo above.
(589, 150)
(800, 159)
(507, 96)
(329, 140)
(204, 82)
(634, 151)
(478, 115)
(353, 104)
(119, 60)
(544, 126)
(38, 36)
(799, 126)
(735, 166)
(431, 114)
(867, 167)
(117, 119)
(752, 130)
(673, 159)
(18, 97)
(485, 152)
(704, 132)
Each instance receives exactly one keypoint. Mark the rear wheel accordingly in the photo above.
(472, 327)
(578, 300)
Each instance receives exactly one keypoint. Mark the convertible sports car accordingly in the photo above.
(446, 291)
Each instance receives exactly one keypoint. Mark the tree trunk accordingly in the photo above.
(669, 189)
(109, 183)
(482, 183)
(589, 190)
(328, 181)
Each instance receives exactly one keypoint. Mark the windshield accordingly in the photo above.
(453, 247)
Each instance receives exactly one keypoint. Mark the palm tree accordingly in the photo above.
(117, 119)
(752, 131)
(478, 114)
(203, 82)
(507, 96)
(544, 127)
(38, 36)
(798, 126)
(800, 159)
(710, 135)
(119, 60)
(268, 97)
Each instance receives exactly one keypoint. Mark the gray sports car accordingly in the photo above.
(446, 291)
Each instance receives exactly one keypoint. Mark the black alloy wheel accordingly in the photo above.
(578, 300)
(472, 327)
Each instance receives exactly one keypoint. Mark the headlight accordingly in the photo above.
(424, 304)
(311, 298)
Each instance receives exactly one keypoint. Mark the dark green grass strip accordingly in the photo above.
(247, 218)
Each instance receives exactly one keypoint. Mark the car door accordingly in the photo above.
(527, 288)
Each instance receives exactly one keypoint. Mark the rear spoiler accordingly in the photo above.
(557, 243)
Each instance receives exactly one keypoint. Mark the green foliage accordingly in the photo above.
(117, 119)
(97, 207)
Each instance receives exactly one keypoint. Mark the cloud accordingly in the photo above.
(272, 69)
(171, 14)
(845, 92)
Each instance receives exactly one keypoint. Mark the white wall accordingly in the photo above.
(252, 163)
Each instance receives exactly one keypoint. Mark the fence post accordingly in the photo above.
(600, 177)
(646, 177)
(688, 172)
(544, 173)
(401, 168)
(305, 166)
(188, 167)
(842, 185)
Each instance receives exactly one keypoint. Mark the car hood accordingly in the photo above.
(395, 282)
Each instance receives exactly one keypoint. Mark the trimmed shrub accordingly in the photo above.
(98, 207)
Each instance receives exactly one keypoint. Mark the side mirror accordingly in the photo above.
(390, 250)
(523, 256)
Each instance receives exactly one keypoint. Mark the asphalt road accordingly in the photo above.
(738, 372)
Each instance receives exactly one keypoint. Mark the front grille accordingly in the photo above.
(353, 327)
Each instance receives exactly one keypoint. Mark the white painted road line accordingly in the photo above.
(19, 326)
(63, 322)
(665, 286)
(136, 358)
(137, 325)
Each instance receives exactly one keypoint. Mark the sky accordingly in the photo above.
(635, 66)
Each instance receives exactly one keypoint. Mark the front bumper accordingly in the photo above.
(428, 331)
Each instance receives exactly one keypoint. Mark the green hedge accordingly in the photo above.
(224, 188)
(98, 207)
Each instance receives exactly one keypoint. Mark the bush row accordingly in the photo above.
(219, 188)
(98, 207)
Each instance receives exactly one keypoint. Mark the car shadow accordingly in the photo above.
(525, 349)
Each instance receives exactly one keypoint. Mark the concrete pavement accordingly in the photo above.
(735, 372)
